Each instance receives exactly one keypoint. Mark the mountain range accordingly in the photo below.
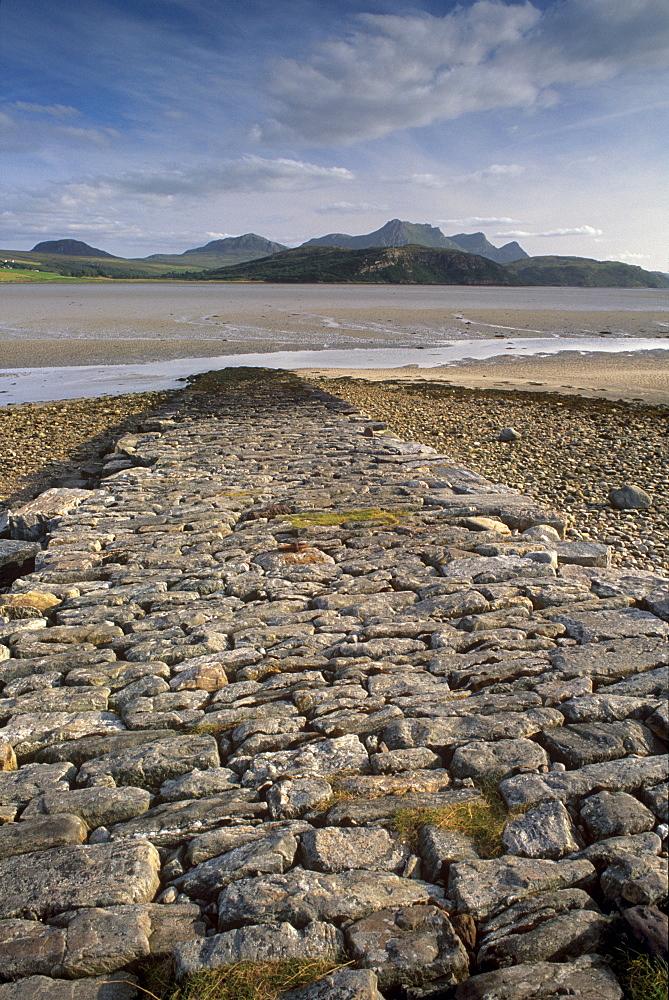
(458, 259)
(397, 233)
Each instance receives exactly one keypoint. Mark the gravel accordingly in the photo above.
(571, 452)
(61, 444)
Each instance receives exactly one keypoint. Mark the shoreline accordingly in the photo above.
(632, 377)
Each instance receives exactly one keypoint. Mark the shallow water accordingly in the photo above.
(71, 340)
(43, 384)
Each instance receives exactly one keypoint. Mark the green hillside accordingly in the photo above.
(220, 253)
(412, 265)
(77, 266)
(584, 272)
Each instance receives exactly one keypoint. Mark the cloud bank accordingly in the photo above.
(393, 72)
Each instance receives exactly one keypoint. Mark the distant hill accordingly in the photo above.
(397, 233)
(219, 253)
(584, 272)
(394, 234)
(477, 243)
(409, 265)
(72, 248)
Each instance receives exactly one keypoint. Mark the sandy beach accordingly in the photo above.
(635, 377)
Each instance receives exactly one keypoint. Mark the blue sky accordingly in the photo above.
(142, 126)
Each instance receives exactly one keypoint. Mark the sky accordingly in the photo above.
(146, 126)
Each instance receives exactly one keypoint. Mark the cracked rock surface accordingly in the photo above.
(259, 682)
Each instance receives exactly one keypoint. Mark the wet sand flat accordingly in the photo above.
(642, 377)
(115, 323)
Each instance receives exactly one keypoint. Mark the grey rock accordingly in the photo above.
(95, 806)
(482, 887)
(18, 787)
(591, 743)
(169, 824)
(117, 986)
(65, 699)
(338, 850)
(595, 626)
(41, 834)
(41, 885)
(604, 708)
(496, 761)
(613, 660)
(197, 784)
(148, 766)
(15, 553)
(77, 751)
(439, 734)
(587, 979)
(629, 497)
(553, 926)
(278, 942)
(343, 753)
(583, 553)
(440, 848)
(270, 855)
(635, 880)
(617, 775)
(302, 896)
(396, 761)
(291, 799)
(410, 946)
(509, 434)
(604, 852)
(546, 831)
(649, 928)
(657, 799)
(33, 731)
(616, 814)
(659, 722)
(224, 839)
(343, 984)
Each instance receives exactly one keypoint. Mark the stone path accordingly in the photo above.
(224, 688)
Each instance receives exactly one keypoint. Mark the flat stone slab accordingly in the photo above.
(587, 979)
(117, 986)
(481, 887)
(410, 946)
(439, 734)
(343, 984)
(301, 896)
(148, 766)
(41, 885)
(261, 943)
(14, 553)
(625, 775)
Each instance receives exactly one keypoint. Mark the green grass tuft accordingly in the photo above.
(243, 981)
(481, 819)
(642, 977)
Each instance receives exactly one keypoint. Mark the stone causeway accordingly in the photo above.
(257, 687)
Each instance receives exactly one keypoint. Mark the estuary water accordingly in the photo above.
(60, 341)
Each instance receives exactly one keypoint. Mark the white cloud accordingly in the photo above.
(477, 220)
(393, 72)
(53, 110)
(350, 207)
(26, 128)
(576, 231)
(494, 172)
(246, 174)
